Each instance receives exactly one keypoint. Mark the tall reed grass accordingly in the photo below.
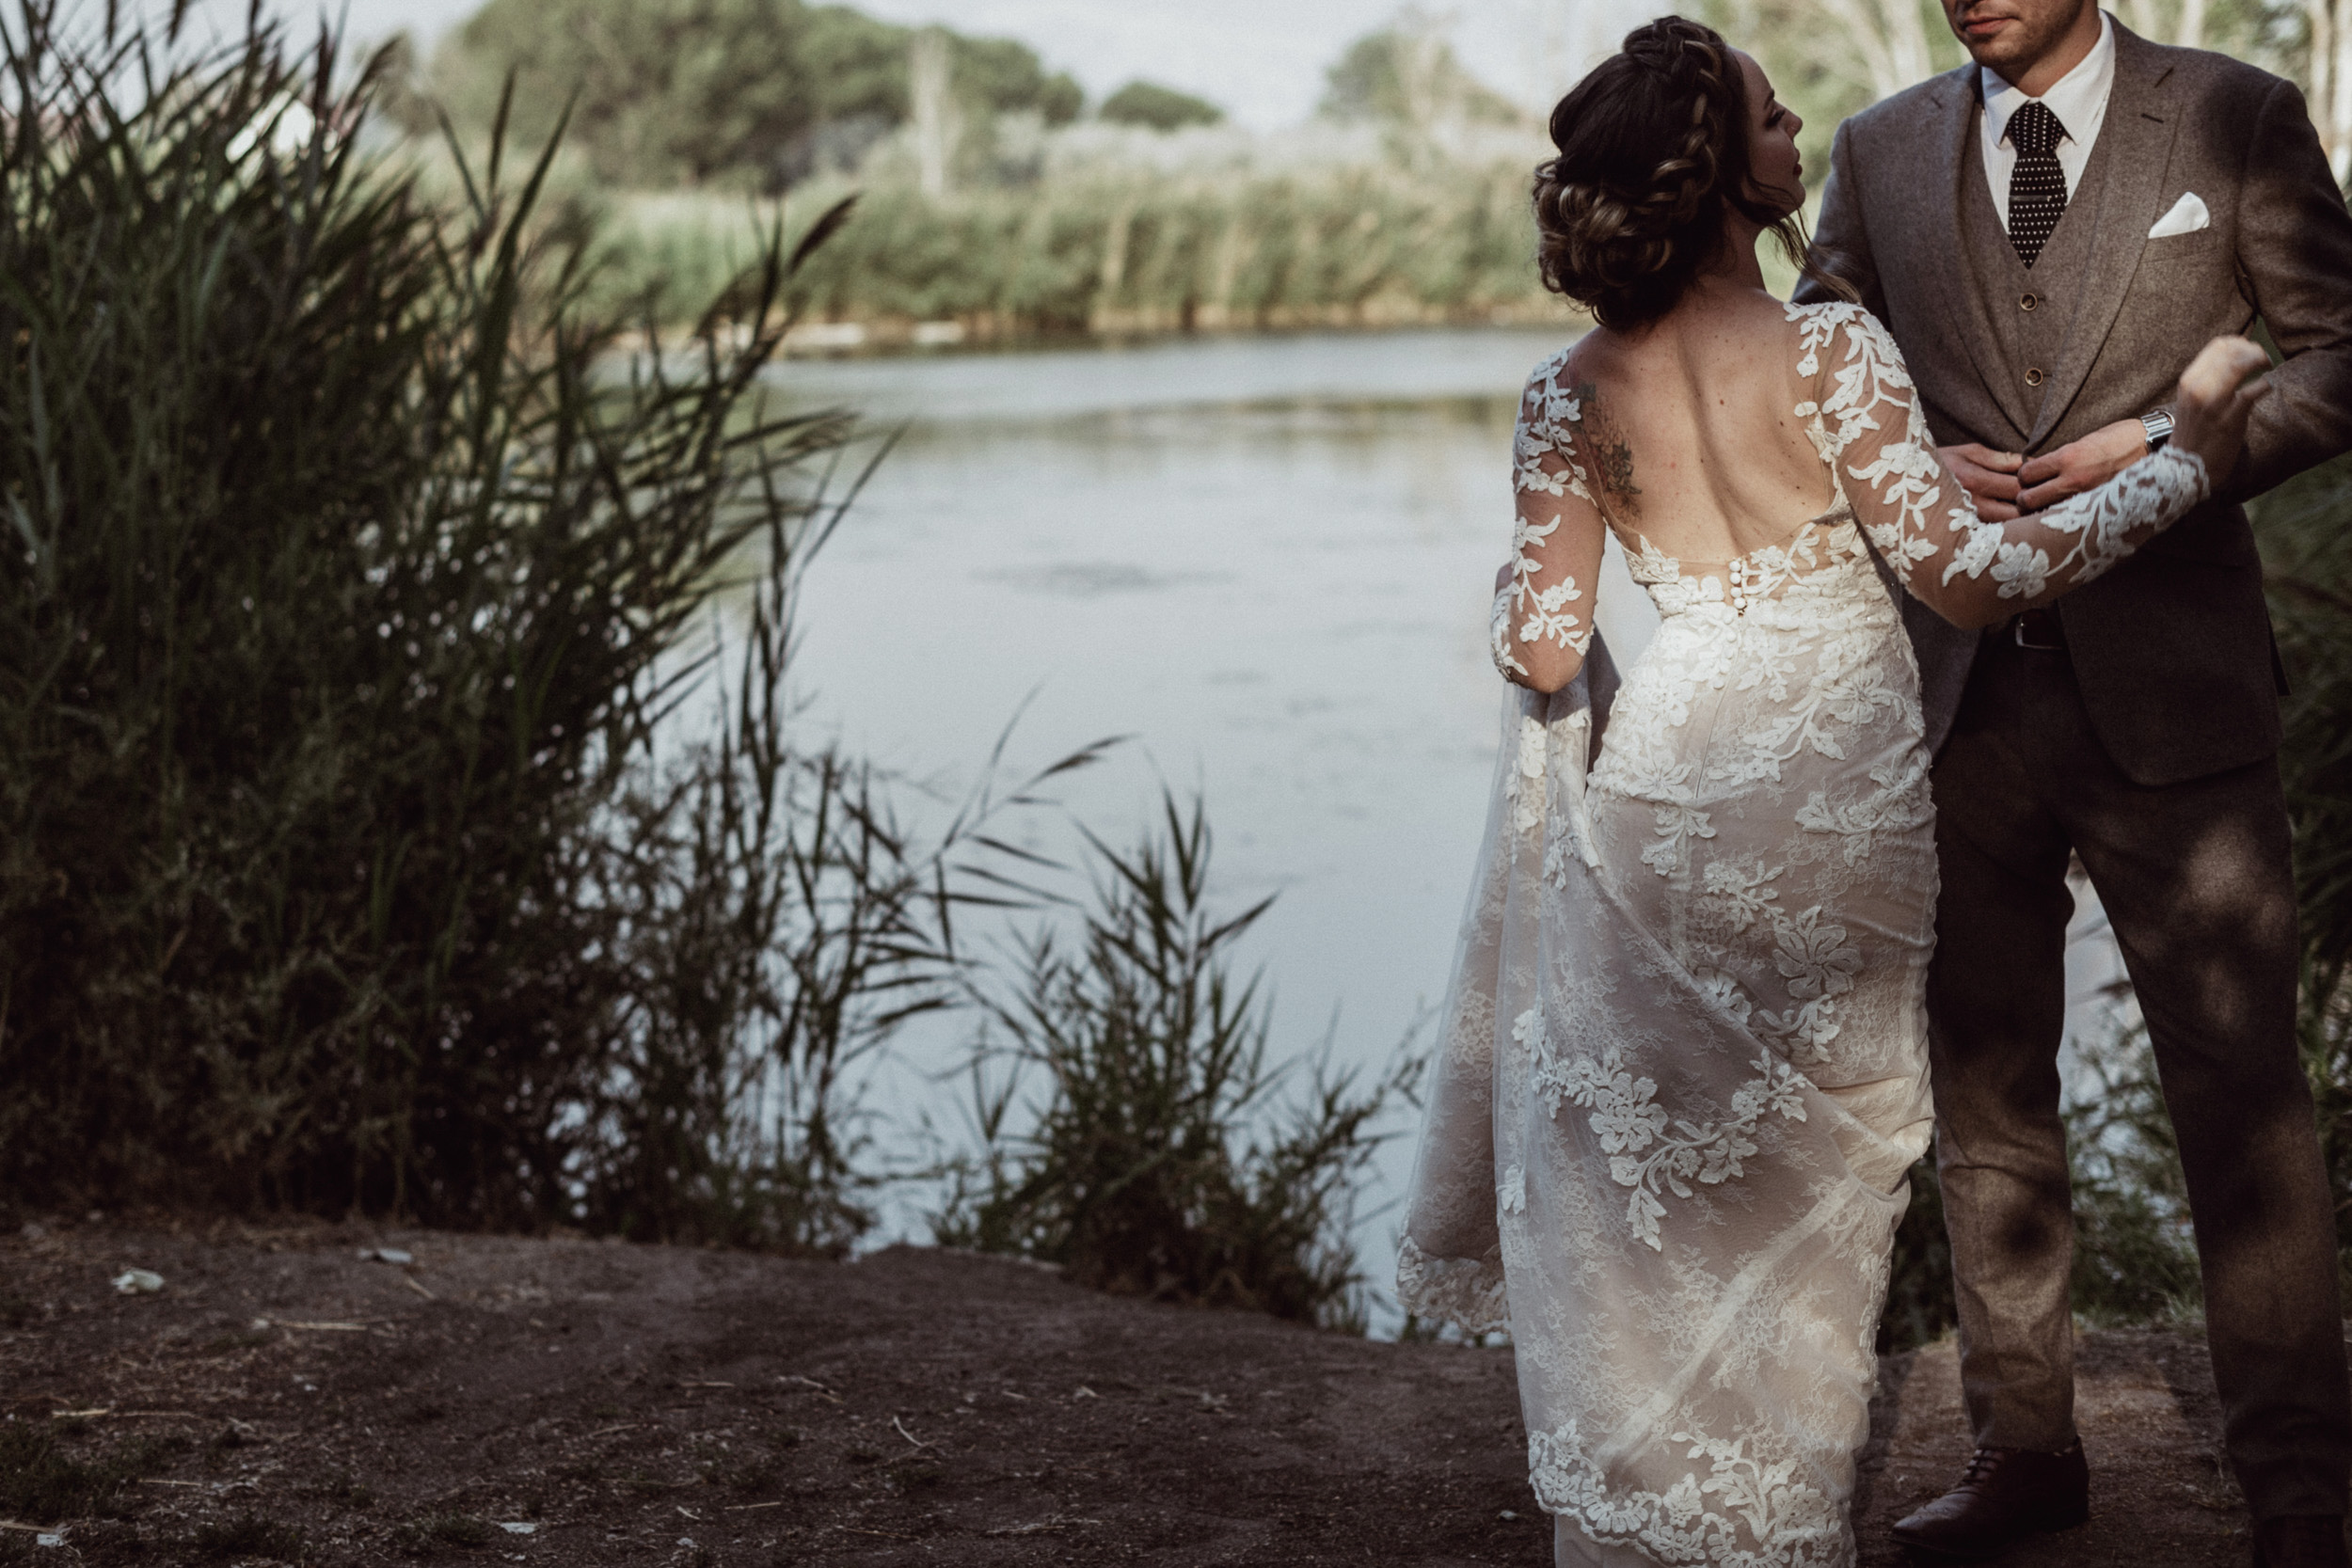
(1159, 1154)
(352, 597)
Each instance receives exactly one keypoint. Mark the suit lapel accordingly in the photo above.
(1962, 311)
(2142, 119)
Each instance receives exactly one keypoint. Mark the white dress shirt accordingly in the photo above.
(2079, 99)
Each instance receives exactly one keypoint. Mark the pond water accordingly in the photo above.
(1268, 560)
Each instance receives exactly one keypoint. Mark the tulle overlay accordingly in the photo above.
(1684, 1069)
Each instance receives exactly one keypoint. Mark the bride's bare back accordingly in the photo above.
(1687, 431)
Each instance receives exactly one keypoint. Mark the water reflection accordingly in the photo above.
(1302, 370)
(1268, 560)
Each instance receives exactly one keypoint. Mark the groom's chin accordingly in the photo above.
(1991, 38)
(2003, 44)
(1994, 50)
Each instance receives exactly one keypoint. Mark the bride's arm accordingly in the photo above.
(1542, 619)
(1972, 571)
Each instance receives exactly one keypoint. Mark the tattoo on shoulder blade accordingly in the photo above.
(1613, 459)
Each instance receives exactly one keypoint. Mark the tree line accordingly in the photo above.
(668, 92)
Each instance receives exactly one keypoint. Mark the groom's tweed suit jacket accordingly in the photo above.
(2172, 650)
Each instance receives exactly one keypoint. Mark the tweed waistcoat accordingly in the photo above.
(2031, 308)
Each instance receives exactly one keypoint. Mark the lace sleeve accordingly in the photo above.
(1542, 622)
(1866, 424)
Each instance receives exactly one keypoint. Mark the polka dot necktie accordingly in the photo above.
(2036, 186)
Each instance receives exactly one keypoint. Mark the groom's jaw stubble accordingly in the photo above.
(2029, 43)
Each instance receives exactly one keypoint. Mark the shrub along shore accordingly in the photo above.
(1340, 247)
(1105, 231)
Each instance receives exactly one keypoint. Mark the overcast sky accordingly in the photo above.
(1263, 60)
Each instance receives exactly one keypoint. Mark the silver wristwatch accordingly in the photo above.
(2160, 428)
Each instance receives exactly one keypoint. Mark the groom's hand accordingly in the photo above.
(2083, 465)
(1990, 477)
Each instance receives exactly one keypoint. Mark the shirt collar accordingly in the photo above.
(2079, 98)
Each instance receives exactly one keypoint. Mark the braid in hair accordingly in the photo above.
(1693, 65)
(1653, 160)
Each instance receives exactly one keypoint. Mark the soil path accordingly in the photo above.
(565, 1402)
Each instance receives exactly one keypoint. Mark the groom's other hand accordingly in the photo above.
(2082, 464)
(1991, 478)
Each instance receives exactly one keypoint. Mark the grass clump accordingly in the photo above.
(1158, 1161)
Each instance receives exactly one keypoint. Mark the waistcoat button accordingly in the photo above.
(2027, 302)
(2033, 376)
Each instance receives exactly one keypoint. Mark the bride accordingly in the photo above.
(1683, 1069)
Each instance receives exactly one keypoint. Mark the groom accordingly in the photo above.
(2050, 235)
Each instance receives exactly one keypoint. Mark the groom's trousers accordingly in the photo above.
(2197, 884)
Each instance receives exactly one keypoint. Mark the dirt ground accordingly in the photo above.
(570, 1402)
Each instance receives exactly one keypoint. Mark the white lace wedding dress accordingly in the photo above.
(1683, 1066)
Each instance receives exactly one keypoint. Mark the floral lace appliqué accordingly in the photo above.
(1747, 1511)
(1650, 1153)
(1543, 462)
(1923, 524)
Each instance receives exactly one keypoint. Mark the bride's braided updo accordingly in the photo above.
(1653, 160)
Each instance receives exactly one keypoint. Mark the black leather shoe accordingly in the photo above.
(2299, 1541)
(2007, 1494)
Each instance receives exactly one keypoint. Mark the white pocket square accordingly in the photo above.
(2188, 217)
